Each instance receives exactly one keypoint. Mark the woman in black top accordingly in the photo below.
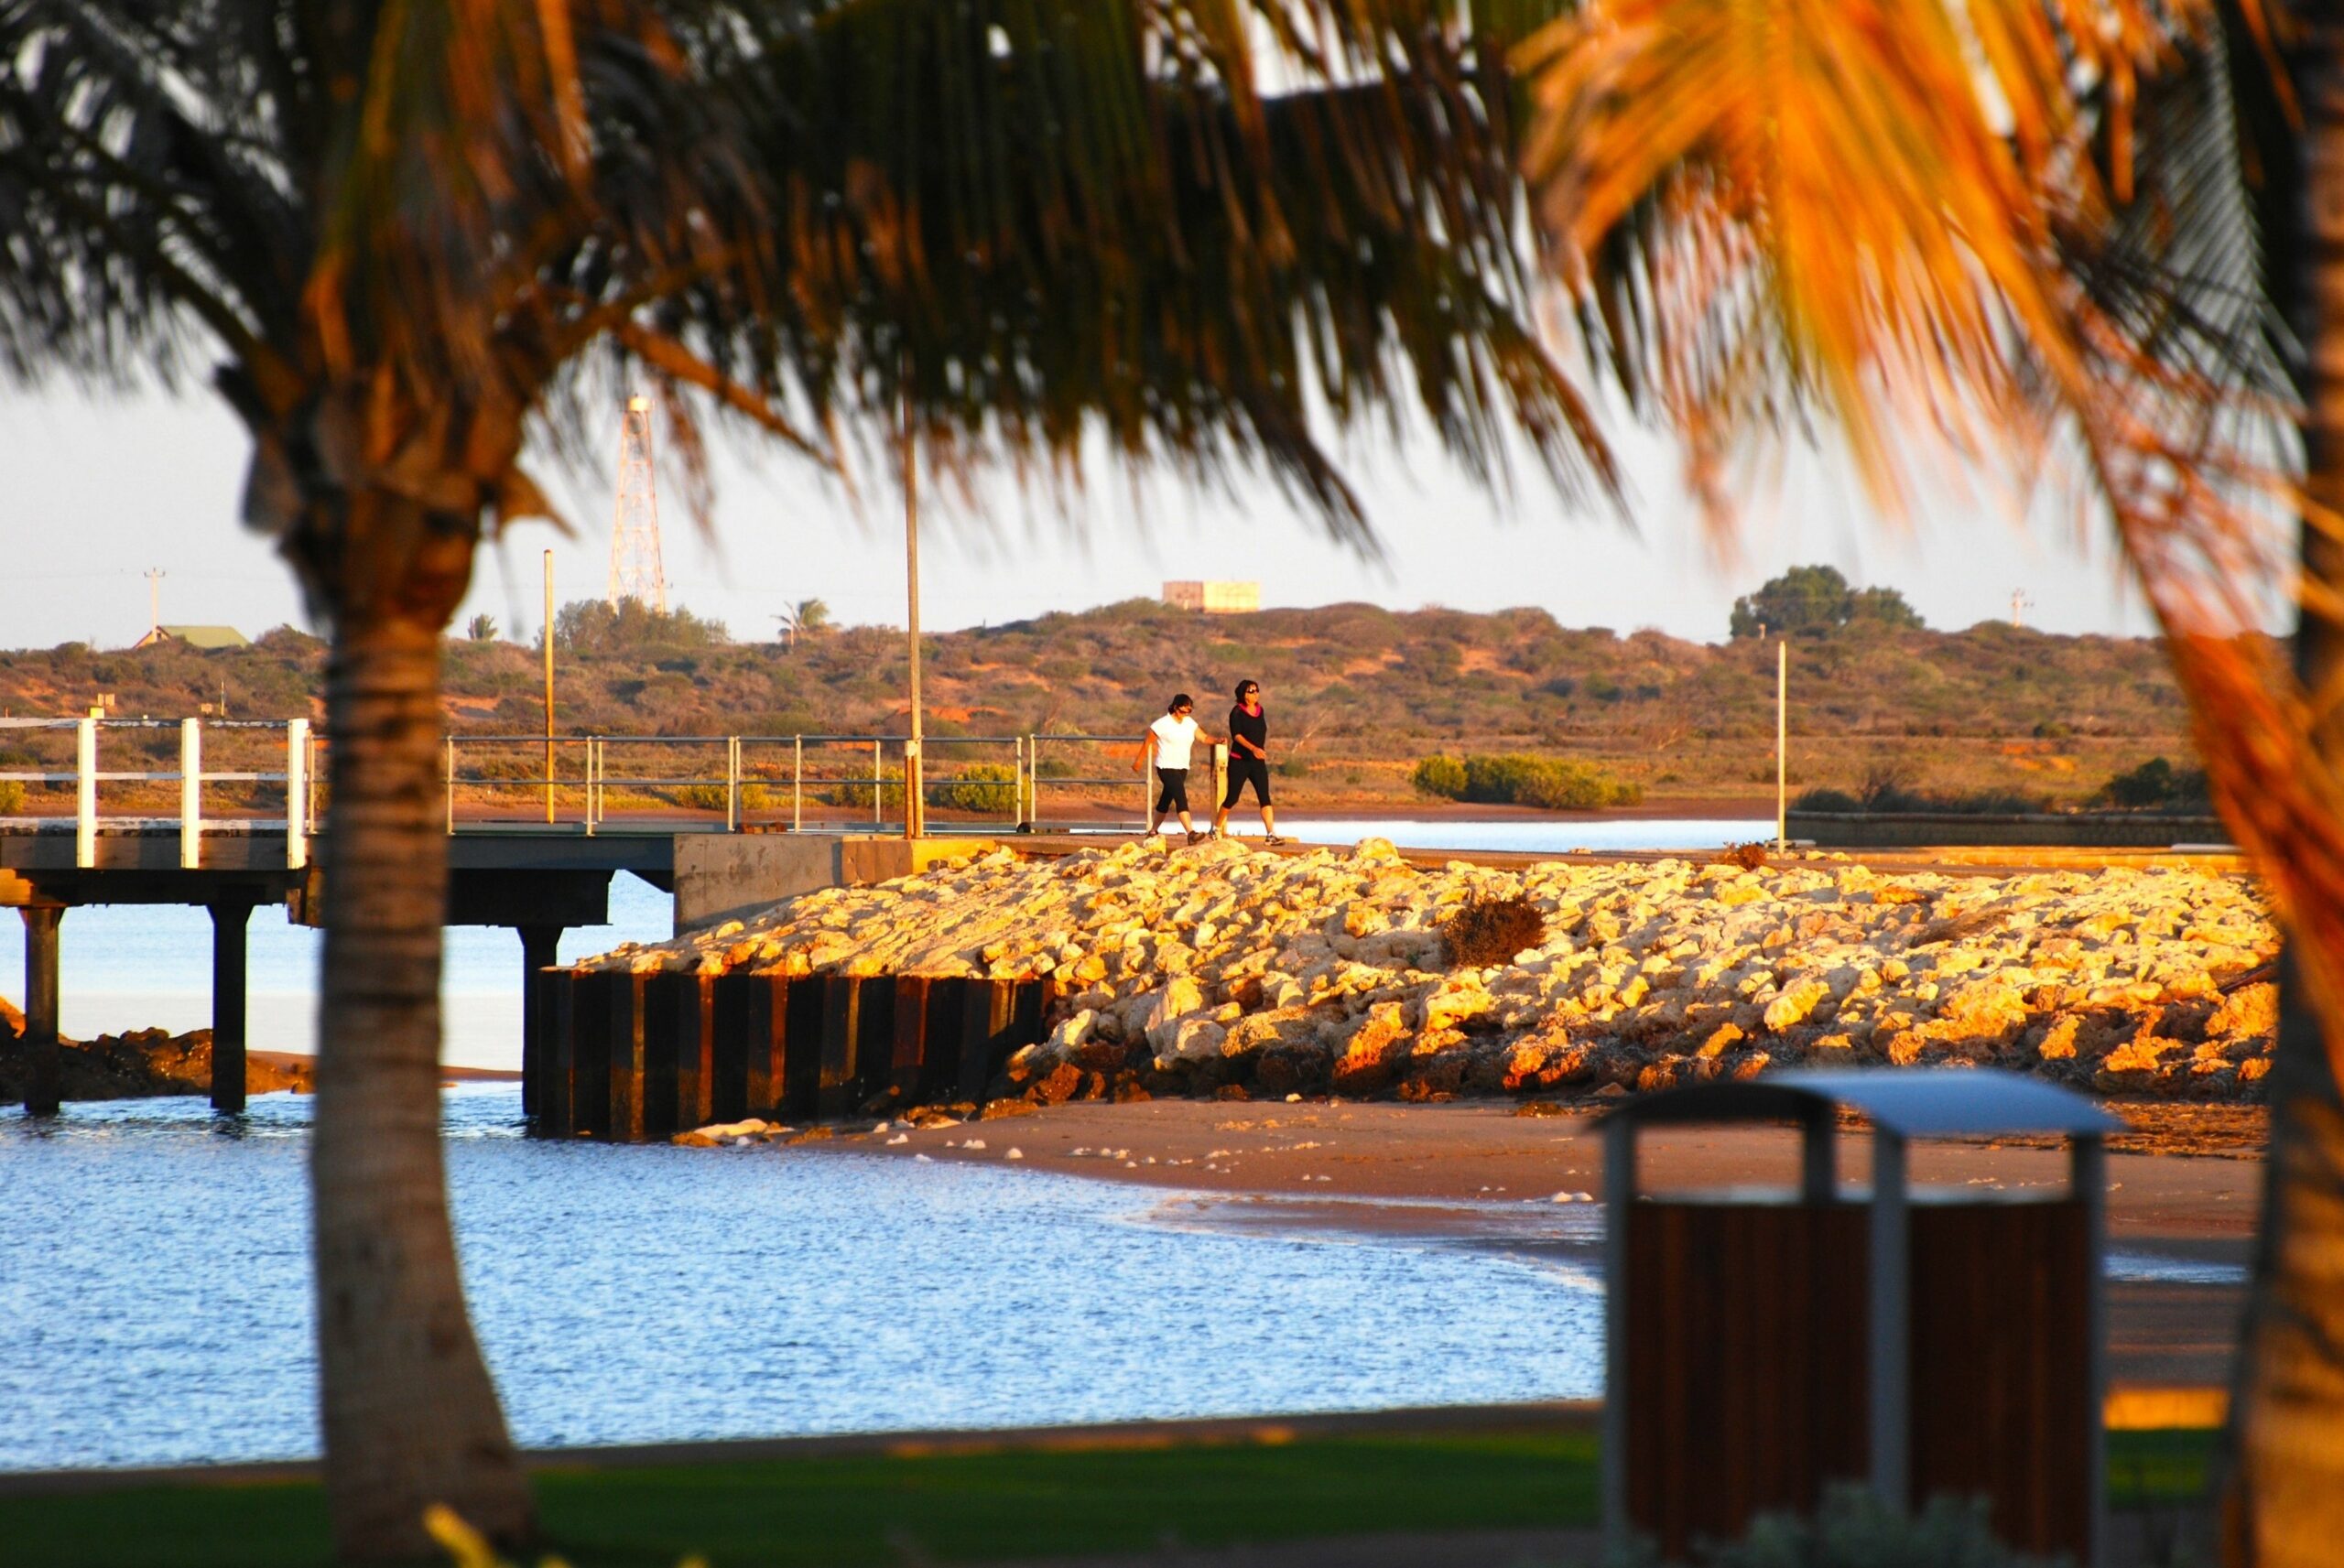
(1249, 761)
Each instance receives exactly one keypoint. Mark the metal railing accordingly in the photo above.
(818, 783)
(755, 779)
(297, 776)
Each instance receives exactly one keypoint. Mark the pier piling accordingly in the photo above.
(750, 1020)
(985, 1027)
(556, 1115)
(947, 1005)
(230, 920)
(800, 1093)
(630, 1056)
(875, 1038)
(42, 1091)
(541, 950)
(678, 1052)
(606, 1041)
(910, 1043)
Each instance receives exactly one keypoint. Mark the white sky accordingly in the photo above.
(98, 491)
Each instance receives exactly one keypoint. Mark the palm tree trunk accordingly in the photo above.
(410, 1416)
(2284, 1507)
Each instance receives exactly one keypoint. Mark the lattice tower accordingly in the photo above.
(635, 571)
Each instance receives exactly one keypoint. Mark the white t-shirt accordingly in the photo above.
(1174, 737)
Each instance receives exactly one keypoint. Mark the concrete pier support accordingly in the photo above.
(540, 948)
(42, 1096)
(228, 924)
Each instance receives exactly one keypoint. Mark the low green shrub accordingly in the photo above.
(987, 787)
(1293, 768)
(2156, 785)
(1519, 778)
(1893, 798)
(711, 796)
(11, 796)
(858, 795)
(1574, 786)
(1439, 775)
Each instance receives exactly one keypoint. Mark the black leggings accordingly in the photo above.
(1243, 771)
(1172, 789)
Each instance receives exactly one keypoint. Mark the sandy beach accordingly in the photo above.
(1486, 1175)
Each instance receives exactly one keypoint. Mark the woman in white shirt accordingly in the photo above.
(1170, 743)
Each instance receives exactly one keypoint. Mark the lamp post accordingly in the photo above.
(549, 686)
(1782, 744)
(915, 801)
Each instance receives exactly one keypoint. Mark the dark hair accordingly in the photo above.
(1180, 699)
(1244, 687)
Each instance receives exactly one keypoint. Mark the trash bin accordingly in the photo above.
(1761, 1345)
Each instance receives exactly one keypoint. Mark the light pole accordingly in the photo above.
(549, 686)
(915, 801)
(1782, 743)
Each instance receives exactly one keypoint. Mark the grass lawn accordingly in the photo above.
(966, 1508)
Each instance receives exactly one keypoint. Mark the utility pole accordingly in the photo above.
(1782, 744)
(915, 795)
(2020, 605)
(549, 686)
(154, 601)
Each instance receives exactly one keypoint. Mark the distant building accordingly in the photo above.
(1214, 598)
(195, 637)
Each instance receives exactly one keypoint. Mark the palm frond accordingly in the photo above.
(2046, 227)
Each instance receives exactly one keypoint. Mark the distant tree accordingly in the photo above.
(1814, 599)
(808, 616)
(480, 628)
(596, 626)
(1884, 608)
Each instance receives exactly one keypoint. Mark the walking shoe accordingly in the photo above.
(1197, 838)
(1274, 838)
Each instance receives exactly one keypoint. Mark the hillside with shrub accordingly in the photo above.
(1357, 695)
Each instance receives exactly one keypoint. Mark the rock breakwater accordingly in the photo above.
(1221, 968)
(141, 1064)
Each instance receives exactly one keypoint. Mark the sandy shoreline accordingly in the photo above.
(1481, 1176)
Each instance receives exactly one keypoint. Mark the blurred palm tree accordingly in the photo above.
(808, 616)
(2074, 243)
(413, 242)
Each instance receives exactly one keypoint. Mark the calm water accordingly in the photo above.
(154, 1277)
(134, 967)
(154, 1270)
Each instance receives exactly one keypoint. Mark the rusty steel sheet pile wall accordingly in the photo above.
(637, 1056)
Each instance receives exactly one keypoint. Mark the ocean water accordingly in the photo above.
(138, 967)
(154, 1257)
(154, 1270)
